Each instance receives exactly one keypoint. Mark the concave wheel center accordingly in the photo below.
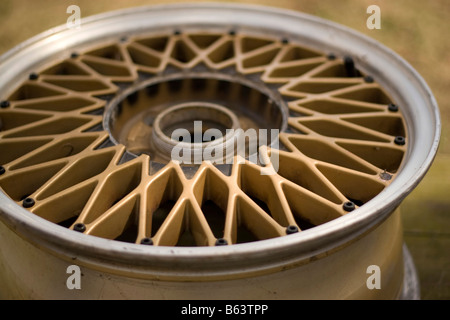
(194, 112)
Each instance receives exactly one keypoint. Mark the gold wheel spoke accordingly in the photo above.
(115, 220)
(90, 138)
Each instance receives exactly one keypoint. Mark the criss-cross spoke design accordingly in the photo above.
(343, 144)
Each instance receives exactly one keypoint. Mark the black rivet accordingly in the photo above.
(349, 206)
(2, 170)
(232, 32)
(147, 241)
(331, 56)
(33, 76)
(74, 55)
(124, 39)
(399, 140)
(221, 242)
(385, 176)
(368, 79)
(28, 203)
(349, 66)
(5, 104)
(392, 107)
(285, 41)
(291, 229)
(177, 32)
(79, 227)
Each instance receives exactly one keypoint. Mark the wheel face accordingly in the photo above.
(87, 138)
(337, 152)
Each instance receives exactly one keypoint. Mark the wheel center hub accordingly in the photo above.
(194, 117)
(194, 131)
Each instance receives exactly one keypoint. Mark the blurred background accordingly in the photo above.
(416, 30)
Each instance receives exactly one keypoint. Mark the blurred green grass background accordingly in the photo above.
(416, 30)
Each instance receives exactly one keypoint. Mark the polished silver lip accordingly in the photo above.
(422, 119)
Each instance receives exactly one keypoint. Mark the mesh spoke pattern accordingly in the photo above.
(341, 145)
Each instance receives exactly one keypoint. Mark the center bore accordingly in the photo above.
(195, 130)
(154, 116)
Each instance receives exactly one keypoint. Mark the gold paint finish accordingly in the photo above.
(337, 145)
